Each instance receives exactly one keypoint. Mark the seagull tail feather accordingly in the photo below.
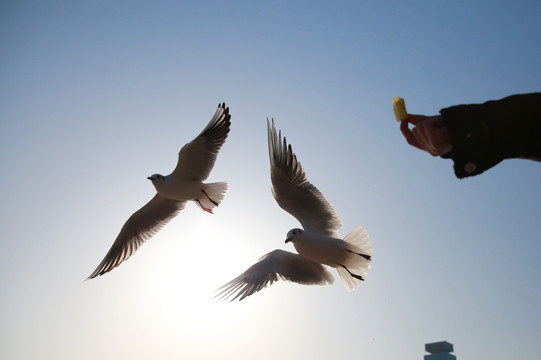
(212, 194)
(358, 259)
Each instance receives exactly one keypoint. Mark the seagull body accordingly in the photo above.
(195, 161)
(182, 190)
(317, 243)
(352, 256)
(177, 189)
(316, 247)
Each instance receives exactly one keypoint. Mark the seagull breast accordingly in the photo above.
(179, 189)
(320, 248)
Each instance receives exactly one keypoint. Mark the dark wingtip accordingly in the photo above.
(92, 276)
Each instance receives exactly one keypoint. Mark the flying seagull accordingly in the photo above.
(195, 161)
(317, 244)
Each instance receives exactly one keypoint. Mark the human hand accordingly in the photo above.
(429, 134)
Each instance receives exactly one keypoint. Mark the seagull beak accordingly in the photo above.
(288, 240)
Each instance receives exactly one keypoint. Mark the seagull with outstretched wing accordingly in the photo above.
(317, 244)
(195, 161)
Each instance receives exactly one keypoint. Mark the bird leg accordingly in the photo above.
(367, 257)
(208, 197)
(204, 208)
(350, 273)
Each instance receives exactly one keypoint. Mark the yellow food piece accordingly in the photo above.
(399, 108)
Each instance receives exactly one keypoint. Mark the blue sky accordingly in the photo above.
(96, 96)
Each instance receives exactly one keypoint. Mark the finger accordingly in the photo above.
(422, 138)
(410, 138)
(440, 141)
(419, 136)
(414, 119)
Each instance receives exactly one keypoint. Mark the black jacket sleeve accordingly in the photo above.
(482, 135)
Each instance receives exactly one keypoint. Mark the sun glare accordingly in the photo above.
(191, 268)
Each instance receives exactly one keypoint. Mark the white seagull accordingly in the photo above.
(317, 245)
(195, 161)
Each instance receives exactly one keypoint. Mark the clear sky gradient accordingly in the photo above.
(97, 95)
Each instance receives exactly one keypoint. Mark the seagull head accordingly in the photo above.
(156, 177)
(292, 235)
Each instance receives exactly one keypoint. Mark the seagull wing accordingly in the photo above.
(196, 158)
(276, 265)
(141, 226)
(294, 193)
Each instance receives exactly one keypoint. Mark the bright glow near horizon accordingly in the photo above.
(95, 97)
